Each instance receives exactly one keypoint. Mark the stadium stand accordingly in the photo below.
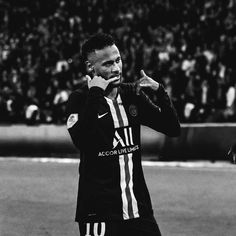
(189, 46)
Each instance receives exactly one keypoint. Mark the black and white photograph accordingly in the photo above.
(117, 118)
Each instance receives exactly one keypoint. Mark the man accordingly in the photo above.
(104, 124)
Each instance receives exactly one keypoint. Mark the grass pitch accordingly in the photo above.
(39, 199)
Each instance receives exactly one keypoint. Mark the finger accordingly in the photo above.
(144, 85)
(138, 87)
(113, 79)
(140, 81)
(142, 73)
(138, 90)
(88, 78)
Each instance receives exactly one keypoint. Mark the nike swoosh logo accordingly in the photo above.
(100, 116)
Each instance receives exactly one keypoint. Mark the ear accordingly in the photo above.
(89, 67)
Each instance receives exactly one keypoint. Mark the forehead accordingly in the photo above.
(105, 54)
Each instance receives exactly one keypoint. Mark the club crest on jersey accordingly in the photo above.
(72, 119)
(133, 110)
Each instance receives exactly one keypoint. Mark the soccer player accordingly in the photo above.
(104, 124)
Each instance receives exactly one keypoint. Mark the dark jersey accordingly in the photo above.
(107, 133)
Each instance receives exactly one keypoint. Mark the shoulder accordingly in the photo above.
(78, 94)
(76, 99)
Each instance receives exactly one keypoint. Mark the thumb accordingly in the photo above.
(88, 78)
(142, 73)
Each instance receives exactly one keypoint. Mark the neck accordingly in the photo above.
(112, 93)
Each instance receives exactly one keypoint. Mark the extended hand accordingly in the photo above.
(146, 82)
(99, 81)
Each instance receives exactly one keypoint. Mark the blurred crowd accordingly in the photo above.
(188, 45)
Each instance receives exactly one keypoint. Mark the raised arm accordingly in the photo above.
(82, 115)
(156, 108)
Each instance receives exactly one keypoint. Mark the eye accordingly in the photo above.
(108, 64)
(118, 60)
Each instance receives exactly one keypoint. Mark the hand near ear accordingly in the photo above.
(146, 82)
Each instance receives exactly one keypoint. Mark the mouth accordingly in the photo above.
(115, 76)
(117, 80)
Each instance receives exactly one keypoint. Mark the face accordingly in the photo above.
(106, 63)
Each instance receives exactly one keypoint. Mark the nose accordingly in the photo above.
(116, 68)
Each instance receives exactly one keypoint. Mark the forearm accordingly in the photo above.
(161, 112)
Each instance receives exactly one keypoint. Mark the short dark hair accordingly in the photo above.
(96, 41)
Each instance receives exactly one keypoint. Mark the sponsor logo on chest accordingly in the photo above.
(123, 143)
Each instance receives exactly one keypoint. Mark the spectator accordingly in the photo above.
(190, 47)
(32, 114)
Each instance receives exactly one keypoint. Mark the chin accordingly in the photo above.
(116, 83)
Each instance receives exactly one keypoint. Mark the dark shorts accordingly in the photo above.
(137, 227)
